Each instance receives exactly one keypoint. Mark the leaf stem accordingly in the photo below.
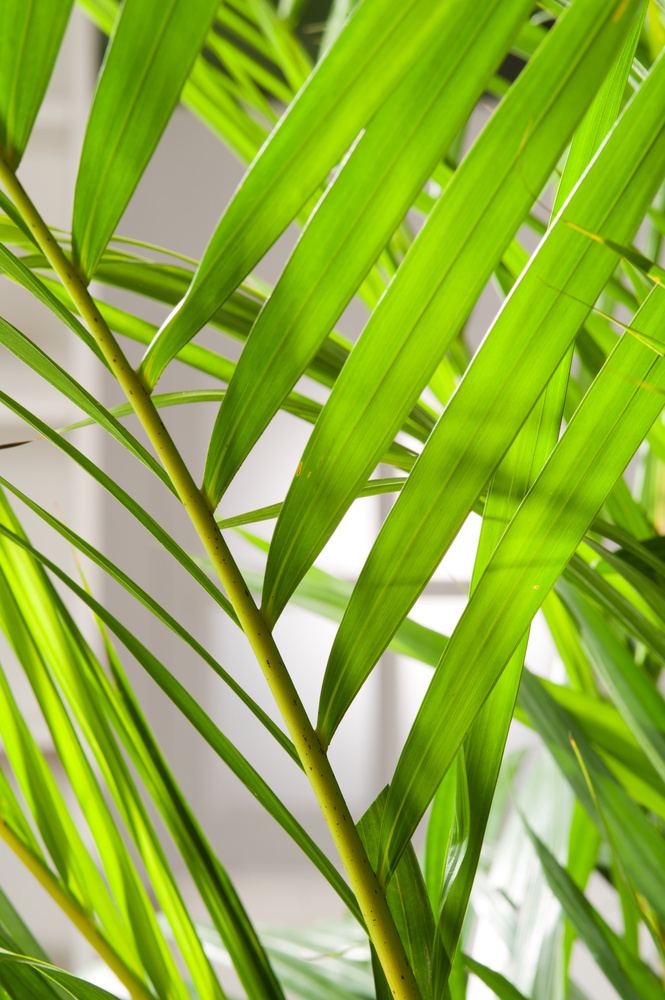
(136, 989)
(369, 893)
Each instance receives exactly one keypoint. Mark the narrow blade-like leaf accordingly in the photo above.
(381, 43)
(40, 362)
(30, 36)
(519, 355)
(135, 97)
(354, 221)
(97, 474)
(407, 899)
(534, 549)
(636, 840)
(202, 722)
(438, 283)
(160, 613)
(636, 697)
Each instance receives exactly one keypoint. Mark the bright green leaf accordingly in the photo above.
(30, 35)
(135, 97)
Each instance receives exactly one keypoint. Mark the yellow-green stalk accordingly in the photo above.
(136, 989)
(369, 893)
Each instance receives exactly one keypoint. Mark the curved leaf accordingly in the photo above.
(632, 979)
(135, 97)
(378, 47)
(596, 447)
(499, 985)
(166, 283)
(158, 611)
(16, 269)
(134, 508)
(40, 362)
(520, 353)
(77, 988)
(30, 36)
(438, 283)
(204, 725)
(639, 701)
(637, 842)
(352, 224)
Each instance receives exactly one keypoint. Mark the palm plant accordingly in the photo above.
(367, 151)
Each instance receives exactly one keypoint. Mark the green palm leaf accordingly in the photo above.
(436, 287)
(376, 154)
(525, 344)
(381, 43)
(136, 94)
(630, 978)
(636, 841)
(30, 36)
(363, 206)
(579, 474)
(201, 722)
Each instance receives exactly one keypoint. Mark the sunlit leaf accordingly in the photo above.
(135, 97)
(430, 298)
(30, 35)
(382, 43)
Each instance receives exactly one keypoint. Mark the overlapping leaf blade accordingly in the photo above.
(634, 694)
(160, 613)
(533, 551)
(30, 35)
(407, 899)
(16, 269)
(136, 94)
(437, 285)
(637, 842)
(233, 257)
(635, 619)
(631, 978)
(369, 197)
(201, 722)
(484, 745)
(76, 869)
(40, 362)
(378, 47)
(605, 729)
(77, 988)
(98, 475)
(523, 348)
(46, 643)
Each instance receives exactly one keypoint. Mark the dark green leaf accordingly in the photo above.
(407, 898)
(640, 703)
(631, 978)
(496, 982)
(73, 986)
(637, 842)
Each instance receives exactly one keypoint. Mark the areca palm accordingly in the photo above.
(369, 139)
